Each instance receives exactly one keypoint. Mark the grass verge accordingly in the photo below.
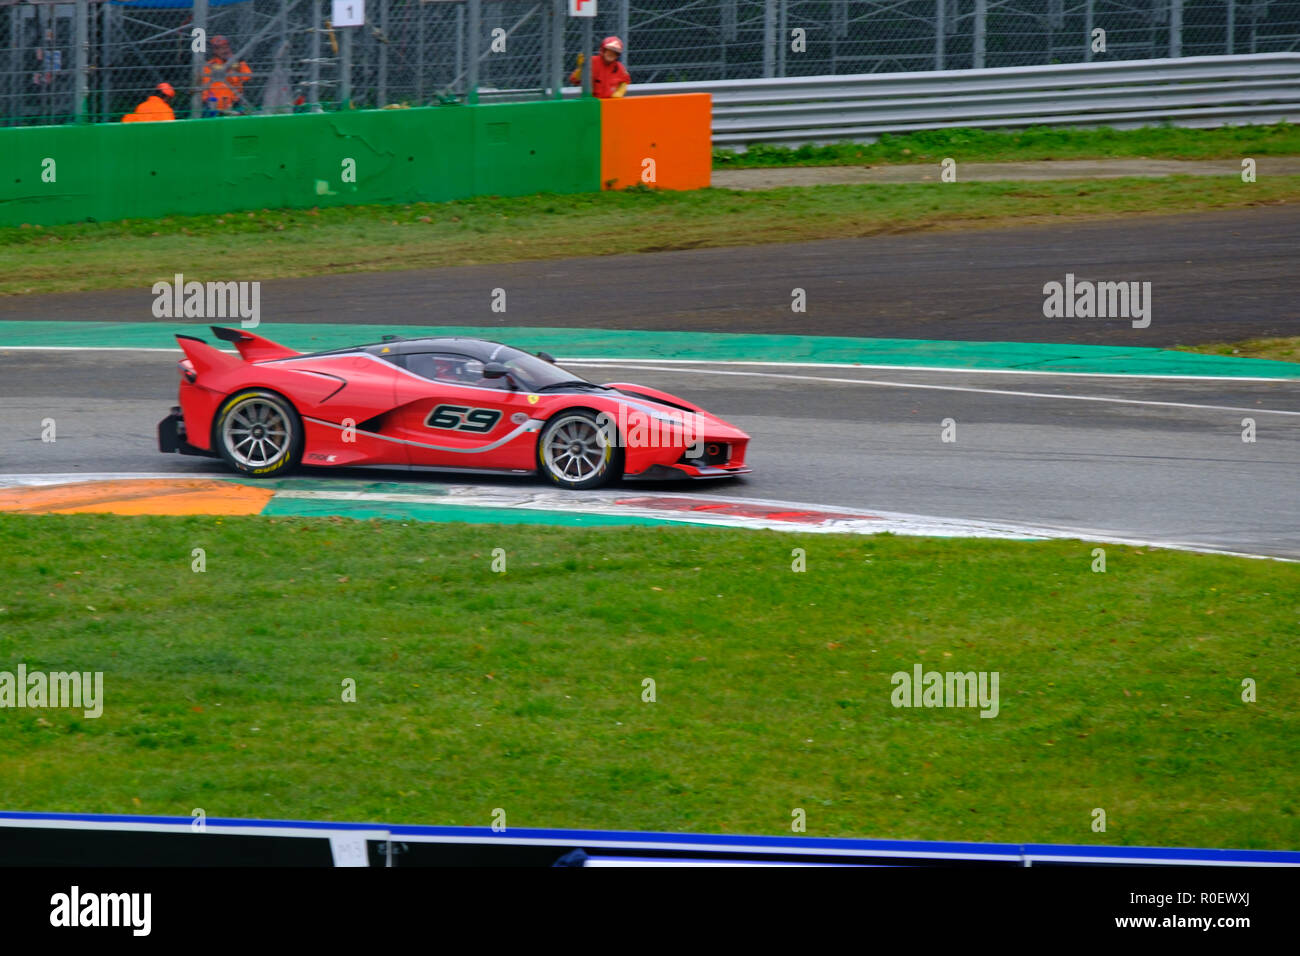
(273, 244)
(1280, 350)
(524, 690)
(1035, 143)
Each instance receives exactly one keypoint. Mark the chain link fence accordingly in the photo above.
(744, 39)
(97, 60)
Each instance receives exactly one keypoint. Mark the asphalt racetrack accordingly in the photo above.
(1215, 277)
(1125, 457)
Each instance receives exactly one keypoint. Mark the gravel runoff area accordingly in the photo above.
(994, 172)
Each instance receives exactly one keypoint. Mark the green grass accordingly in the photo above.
(1280, 350)
(1035, 143)
(271, 244)
(524, 690)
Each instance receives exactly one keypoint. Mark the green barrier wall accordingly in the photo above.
(140, 170)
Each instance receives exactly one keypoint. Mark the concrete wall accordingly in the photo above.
(60, 174)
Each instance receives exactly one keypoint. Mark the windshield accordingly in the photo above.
(531, 373)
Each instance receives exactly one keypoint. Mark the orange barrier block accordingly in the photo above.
(185, 496)
(667, 137)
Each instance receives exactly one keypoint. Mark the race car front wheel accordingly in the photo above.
(577, 450)
(259, 433)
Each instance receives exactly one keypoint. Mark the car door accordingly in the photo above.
(350, 423)
(453, 417)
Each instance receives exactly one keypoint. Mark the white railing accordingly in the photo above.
(1192, 91)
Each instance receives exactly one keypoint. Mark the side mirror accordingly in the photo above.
(495, 370)
(546, 357)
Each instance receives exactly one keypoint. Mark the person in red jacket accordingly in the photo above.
(609, 77)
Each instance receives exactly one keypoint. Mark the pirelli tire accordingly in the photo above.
(259, 433)
(579, 449)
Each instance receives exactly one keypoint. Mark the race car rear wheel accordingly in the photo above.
(576, 450)
(258, 433)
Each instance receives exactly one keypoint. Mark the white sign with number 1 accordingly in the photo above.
(582, 8)
(348, 13)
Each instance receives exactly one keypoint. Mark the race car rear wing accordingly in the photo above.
(253, 348)
(204, 357)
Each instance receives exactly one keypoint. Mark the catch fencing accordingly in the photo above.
(96, 60)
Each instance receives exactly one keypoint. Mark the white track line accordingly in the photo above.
(81, 348)
(955, 388)
(952, 370)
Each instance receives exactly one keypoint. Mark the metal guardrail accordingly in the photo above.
(1193, 91)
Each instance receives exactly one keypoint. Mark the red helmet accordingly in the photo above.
(612, 43)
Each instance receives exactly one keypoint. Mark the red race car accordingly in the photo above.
(446, 404)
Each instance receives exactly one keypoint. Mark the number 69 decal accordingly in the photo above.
(461, 418)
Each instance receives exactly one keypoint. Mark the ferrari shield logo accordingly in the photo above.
(532, 399)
